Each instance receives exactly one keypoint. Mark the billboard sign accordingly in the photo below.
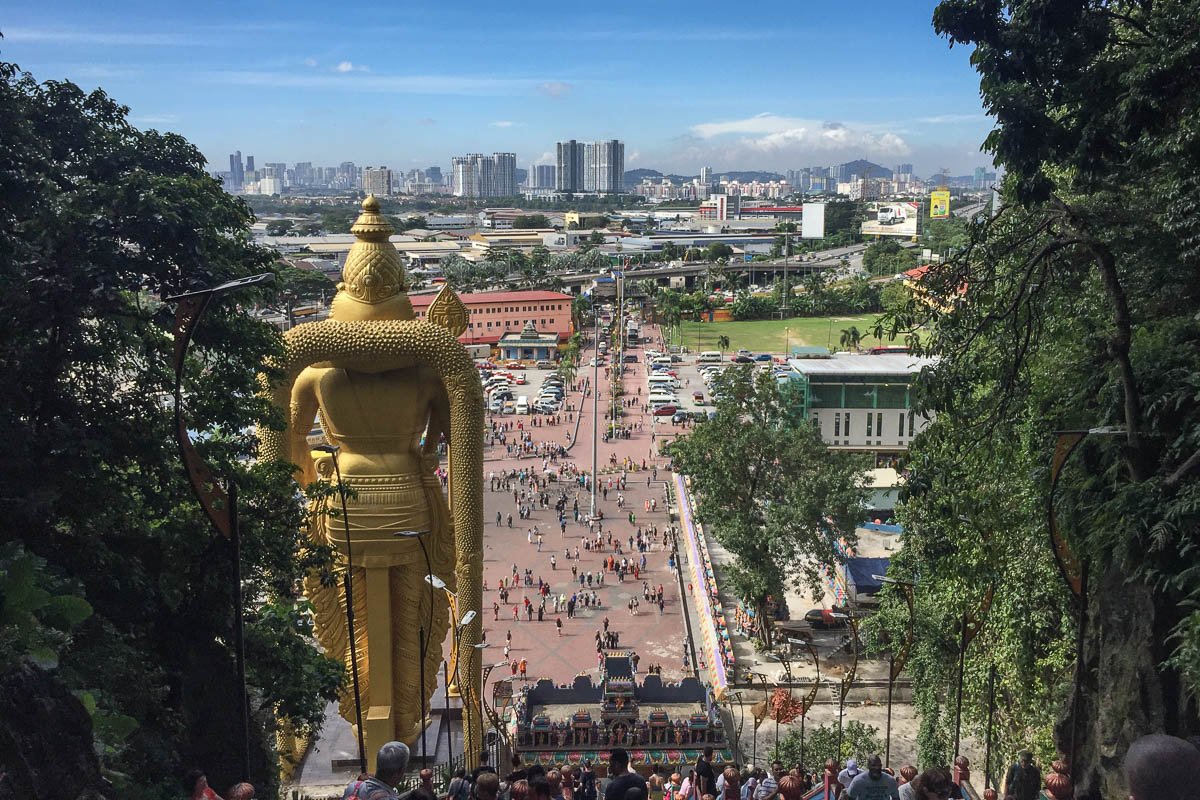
(812, 223)
(939, 205)
(892, 219)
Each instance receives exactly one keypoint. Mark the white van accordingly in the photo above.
(523, 404)
(657, 399)
(655, 381)
(709, 356)
(664, 361)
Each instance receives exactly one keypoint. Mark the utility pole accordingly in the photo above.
(595, 418)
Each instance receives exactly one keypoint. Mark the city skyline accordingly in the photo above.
(821, 85)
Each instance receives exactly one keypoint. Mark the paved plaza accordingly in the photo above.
(657, 638)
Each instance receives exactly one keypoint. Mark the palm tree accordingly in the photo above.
(850, 337)
(722, 343)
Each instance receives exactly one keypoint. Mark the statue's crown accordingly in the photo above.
(373, 272)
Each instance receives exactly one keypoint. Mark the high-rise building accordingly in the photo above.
(377, 181)
(980, 177)
(249, 164)
(434, 174)
(904, 169)
(237, 175)
(462, 176)
(541, 176)
(505, 171)
(590, 166)
(610, 166)
(706, 176)
(568, 174)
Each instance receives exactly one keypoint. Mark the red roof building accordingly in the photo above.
(494, 314)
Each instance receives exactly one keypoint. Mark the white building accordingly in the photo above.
(377, 181)
(861, 401)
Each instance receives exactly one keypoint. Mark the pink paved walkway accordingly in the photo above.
(657, 639)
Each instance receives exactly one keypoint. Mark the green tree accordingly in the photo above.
(1072, 308)
(717, 251)
(821, 744)
(98, 221)
(894, 297)
(850, 338)
(308, 229)
(279, 227)
(525, 221)
(769, 488)
(722, 343)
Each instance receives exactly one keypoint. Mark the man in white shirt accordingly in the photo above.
(768, 787)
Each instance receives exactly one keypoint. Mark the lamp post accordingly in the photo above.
(812, 693)
(757, 720)
(348, 586)
(595, 417)
(848, 679)
(896, 665)
(220, 505)
(741, 722)
(421, 633)
(456, 634)
(474, 705)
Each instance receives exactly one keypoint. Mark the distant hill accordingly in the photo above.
(861, 167)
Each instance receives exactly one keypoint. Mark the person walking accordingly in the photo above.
(558, 624)
(524, 666)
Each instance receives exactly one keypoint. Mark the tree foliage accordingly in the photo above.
(821, 744)
(1074, 307)
(768, 488)
(97, 221)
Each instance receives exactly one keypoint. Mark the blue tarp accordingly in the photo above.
(860, 571)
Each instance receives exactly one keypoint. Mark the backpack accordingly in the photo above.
(459, 789)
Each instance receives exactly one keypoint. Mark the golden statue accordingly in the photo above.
(384, 388)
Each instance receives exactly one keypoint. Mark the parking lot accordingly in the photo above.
(688, 373)
(533, 377)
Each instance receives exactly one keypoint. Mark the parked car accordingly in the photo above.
(763, 357)
(514, 365)
(823, 619)
(741, 359)
(545, 365)
(676, 359)
(664, 411)
(680, 416)
(698, 398)
(520, 380)
(631, 359)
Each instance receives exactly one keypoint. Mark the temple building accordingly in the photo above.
(657, 722)
(529, 345)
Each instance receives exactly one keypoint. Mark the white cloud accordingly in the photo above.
(427, 121)
(633, 157)
(555, 88)
(310, 62)
(767, 132)
(106, 38)
(502, 123)
(153, 119)
(466, 85)
(348, 66)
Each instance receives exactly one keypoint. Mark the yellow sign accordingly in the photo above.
(939, 204)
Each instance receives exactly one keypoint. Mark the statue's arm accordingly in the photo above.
(302, 412)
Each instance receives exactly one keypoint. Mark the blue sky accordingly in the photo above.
(758, 85)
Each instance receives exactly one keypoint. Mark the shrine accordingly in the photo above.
(657, 722)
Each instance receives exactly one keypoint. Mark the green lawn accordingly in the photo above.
(774, 336)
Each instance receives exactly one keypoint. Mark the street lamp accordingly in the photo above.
(741, 722)
(421, 633)
(348, 586)
(895, 665)
(812, 693)
(220, 505)
(848, 679)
